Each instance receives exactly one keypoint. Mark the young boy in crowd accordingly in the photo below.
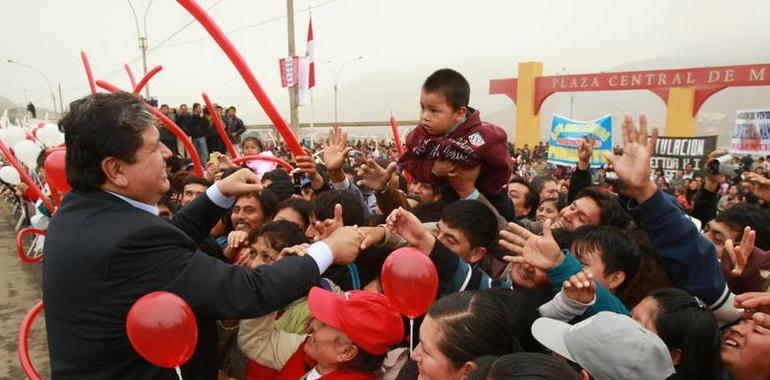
(451, 135)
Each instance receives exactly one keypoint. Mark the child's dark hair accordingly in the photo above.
(474, 219)
(352, 210)
(301, 206)
(451, 84)
(617, 251)
(279, 234)
(253, 138)
(744, 214)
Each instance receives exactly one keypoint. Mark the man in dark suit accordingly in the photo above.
(106, 247)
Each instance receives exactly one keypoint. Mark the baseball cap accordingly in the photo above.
(367, 318)
(608, 346)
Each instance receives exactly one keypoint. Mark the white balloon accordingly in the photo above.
(50, 136)
(10, 175)
(14, 135)
(3, 134)
(27, 151)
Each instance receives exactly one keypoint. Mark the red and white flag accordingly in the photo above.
(306, 70)
(310, 54)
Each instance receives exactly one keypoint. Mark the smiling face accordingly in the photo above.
(146, 179)
(247, 213)
(528, 277)
(745, 349)
(437, 115)
(582, 211)
(547, 210)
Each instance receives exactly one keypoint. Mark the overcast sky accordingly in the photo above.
(402, 41)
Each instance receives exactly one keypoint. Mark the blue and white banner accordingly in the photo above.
(566, 135)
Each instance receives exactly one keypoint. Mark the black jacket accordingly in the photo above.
(102, 254)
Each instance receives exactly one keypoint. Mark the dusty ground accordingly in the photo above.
(20, 289)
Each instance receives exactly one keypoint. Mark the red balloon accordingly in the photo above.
(410, 281)
(161, 326)
(55, 173)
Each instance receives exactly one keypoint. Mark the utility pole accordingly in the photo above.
(143, 46)
(294, 114)
(142, 41)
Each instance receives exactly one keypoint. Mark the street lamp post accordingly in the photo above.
(45, 77)
(142, 41)
(335, 75)
(571, 96)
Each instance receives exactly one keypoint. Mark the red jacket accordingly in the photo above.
(298, 365)
(473, 143)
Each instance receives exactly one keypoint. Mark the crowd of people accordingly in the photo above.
(544, 272)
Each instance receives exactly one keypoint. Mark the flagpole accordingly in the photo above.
(312, 111)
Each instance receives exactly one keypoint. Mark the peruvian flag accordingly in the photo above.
(306, 70)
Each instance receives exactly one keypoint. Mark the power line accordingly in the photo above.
(247, 27)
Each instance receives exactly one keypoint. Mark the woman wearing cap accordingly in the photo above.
(348, 338)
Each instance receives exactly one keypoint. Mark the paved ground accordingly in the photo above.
(20, 287)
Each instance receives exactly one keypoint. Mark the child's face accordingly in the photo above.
(437, 115)
(457, 242)
(250, 148)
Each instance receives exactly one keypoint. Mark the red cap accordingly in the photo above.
(367, 318)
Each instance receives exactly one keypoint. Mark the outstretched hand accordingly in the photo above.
(540, 251)
(375, 176)
(335, 149)
(580, 287)
(584, 151)
(633, 167)
(410, 228)
(739, 255)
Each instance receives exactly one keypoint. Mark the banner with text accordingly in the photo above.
(752, 132)
(673, 153)
(566, 135)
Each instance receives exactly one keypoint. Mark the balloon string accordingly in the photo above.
(178, 372)
(411, 335)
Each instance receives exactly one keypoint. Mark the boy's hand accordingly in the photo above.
(540, 251)
(410, 228)
(443, 168)
(580, 287)
(633, 167)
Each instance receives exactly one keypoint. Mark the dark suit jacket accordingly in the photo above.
(102, 254)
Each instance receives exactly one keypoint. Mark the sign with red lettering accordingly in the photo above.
(752, 132)
(706, 80)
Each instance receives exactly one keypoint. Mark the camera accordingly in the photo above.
(723, 165)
